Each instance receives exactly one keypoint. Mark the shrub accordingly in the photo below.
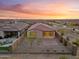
(63, 57)
(76, 42)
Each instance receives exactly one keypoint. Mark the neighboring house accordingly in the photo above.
(10, 34)
(41, 30)
(12, 30)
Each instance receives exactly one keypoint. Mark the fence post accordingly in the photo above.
(74, 50)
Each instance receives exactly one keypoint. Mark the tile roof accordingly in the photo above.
(41, 27)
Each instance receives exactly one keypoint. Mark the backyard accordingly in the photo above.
(42, 46)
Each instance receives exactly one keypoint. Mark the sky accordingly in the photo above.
(39, 9)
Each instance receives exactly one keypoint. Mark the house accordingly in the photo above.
(11, 30)
(41, 30)
(11, 35)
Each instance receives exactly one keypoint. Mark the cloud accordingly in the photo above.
(43, 8)
(38, 9)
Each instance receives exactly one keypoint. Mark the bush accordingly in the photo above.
(63, 57)
(76, 42)
(72, 24)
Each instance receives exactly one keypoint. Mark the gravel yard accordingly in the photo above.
(45, 46)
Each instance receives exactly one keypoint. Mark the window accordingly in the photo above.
(9, 34)
(48, 34)
(33, 34)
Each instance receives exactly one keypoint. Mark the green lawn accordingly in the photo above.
(4, 48)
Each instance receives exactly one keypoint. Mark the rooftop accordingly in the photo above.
(46, 27)
(13, 26)
(41, 27)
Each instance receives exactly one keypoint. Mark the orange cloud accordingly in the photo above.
(49, 9)
(34, 10)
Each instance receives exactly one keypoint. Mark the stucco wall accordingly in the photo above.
(77, 54)
(2, 33)
(17, 42)
(38, 33)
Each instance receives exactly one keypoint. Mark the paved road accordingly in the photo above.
(35, 56)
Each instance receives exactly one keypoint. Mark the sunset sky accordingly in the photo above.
(39, 9)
